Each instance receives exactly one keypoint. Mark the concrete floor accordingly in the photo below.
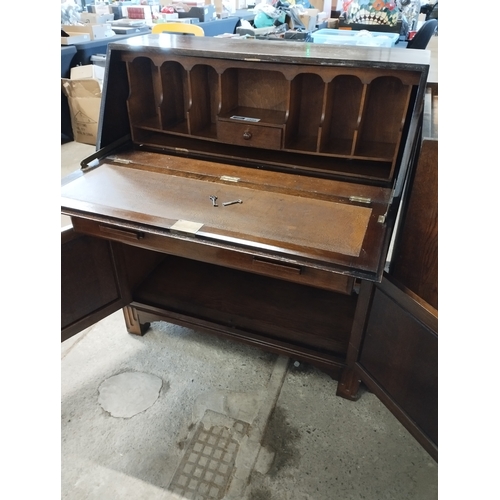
(178, 414)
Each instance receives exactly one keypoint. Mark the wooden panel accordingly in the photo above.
(144, 98)
(174, 96)
(234, 258)
(114, 122)
(344, 99)
(415, 261)
(89, 285)
(266, 90)
(306, 112)
(297, 224)
(398, 359)
(388, 98)
(298, 185)
(203, 88)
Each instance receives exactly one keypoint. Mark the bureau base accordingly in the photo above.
(305, 323)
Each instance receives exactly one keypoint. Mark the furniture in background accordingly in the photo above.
(180, 28)
(210, 28)
(85, 50)
(67, 55)
(423, 35)
(220, 26)
(80, 54)
(430, 10)
(246, 14)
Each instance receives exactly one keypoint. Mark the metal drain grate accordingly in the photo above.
(208, 462)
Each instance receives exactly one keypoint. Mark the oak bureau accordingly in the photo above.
(246, 188)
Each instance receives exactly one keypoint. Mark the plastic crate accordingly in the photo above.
(351, 37)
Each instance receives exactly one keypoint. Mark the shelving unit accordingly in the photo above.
(336, 122)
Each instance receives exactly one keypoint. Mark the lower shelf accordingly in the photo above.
(284, 317)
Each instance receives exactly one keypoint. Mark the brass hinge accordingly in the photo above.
(121, 160)
(360, 199)
(229, 178)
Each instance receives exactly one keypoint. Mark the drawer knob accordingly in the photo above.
(247, 135)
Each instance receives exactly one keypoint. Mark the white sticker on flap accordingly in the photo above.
(186, 226)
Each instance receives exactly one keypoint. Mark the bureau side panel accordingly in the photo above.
(89, 284)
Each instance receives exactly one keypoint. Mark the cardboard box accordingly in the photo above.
(323, 5)
(84, 72)
(231, 5)
(309, 19)
(167, 17)
(88, 18)
(99, 9)
(332, 23)
(84, 99)
(95, 31)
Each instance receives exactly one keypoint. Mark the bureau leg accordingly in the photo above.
(132, 321)
(349, 381)
(348, 385)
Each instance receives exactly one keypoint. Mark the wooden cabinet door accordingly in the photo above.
(394, 352)
(397, 355)
(90, 288)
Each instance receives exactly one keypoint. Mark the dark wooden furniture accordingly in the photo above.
(67, 55)
(319, 144)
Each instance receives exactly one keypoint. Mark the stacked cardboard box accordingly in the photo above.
(83, 90)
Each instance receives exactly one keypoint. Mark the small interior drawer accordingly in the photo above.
(212, 253)
(245, 134)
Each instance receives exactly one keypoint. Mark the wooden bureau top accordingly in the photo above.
(274, 51)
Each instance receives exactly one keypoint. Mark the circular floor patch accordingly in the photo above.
(129, 393)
